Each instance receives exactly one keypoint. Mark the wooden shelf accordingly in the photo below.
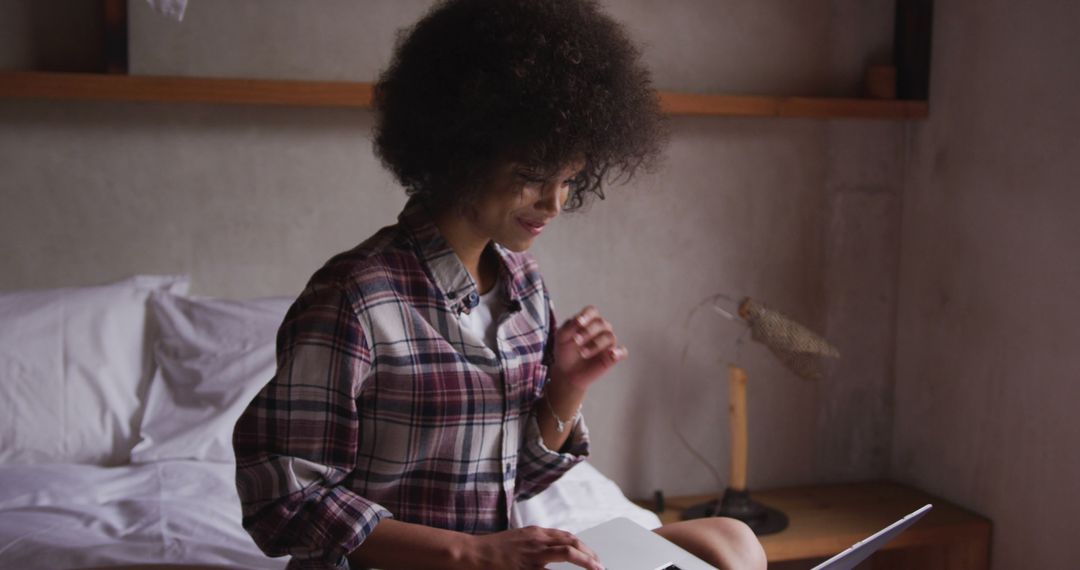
(121, 87)
(791, 107)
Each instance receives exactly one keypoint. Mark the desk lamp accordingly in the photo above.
(800, 350)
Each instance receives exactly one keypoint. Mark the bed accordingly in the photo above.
(116, 410)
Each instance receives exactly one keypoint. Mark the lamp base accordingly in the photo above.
(738, 505)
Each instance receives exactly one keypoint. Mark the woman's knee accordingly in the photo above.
(747, 549)
(723, 542)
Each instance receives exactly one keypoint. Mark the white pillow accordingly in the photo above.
(74, 368)
(213, 356)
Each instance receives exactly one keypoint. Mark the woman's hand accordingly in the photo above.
(585, 348)
(530, 548)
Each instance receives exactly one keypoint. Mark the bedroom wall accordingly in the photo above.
(803, 214)
(988, 375)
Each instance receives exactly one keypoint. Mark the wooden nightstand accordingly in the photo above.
(826, 519)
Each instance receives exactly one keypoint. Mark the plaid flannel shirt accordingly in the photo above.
(383, 405)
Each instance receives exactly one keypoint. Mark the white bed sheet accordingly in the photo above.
(580, 499)
(167, 512)
(185, 512)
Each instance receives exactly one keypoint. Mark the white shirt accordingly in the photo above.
(482, 320)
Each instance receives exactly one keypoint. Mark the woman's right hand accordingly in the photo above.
(530, 548)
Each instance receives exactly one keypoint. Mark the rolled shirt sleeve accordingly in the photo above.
(538, 466)
(296, 443)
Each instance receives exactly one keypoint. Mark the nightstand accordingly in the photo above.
(827, 519)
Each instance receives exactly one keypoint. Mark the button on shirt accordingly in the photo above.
(482, 319)
(384, 405)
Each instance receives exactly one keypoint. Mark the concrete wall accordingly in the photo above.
(988, 373)
(803, 214)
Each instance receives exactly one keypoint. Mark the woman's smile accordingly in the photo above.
(533, 227)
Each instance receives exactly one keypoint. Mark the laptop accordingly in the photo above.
(625, 545)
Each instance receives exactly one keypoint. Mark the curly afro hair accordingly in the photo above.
(541, 82)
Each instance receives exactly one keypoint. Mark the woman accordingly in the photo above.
(423, 385)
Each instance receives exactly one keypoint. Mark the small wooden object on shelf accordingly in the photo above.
(881, 82)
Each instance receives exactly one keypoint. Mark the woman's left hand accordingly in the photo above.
(585, 348)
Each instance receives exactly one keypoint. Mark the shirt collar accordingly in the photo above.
(446, 269)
